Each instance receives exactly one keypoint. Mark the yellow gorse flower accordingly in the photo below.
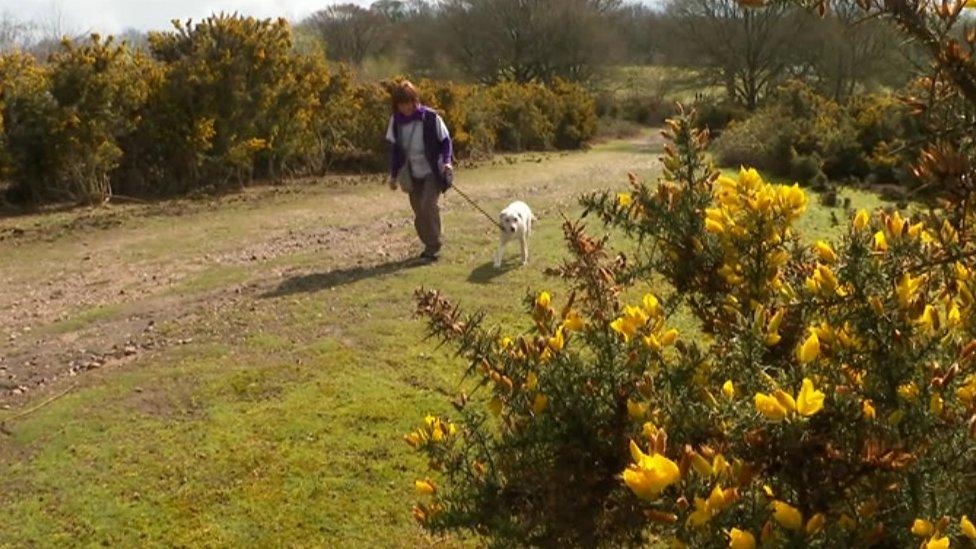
(728, 389)
(965, 526)
(543, 300)
(713, 226)
(825, 252)
(772, 330)
(928, 321)
(701, 465)
(635, 410)
(787, 516)
(824, 283)
(816, 523)
(907, 289)
(433, 431)
(573, 322)
(624, 200)
(540, 403)
(770, 407)
(651, 305)
(647, 321)
(785, 400)
(937, 543)
(867, 410)
(880, 242)
(425, 487)
(557, 342)
(649, 475)
(741, 539)
(908, 391)
(922, 528)
(809, 350)
(718, 500)
(809, 401)
(861, 220)
(781, 404)
(633, 319)
(966, 393)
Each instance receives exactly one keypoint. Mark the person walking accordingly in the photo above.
(421, 162)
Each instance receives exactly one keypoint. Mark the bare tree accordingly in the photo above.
(848, 52)
(746, 50)
(525, 40)
(351, 33)
(16, 34)
(394, 10)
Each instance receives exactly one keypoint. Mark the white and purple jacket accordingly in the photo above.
(437, 147)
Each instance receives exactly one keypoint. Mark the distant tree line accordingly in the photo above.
(748, 52)
(745, 52)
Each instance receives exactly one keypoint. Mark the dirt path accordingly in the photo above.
(94, 289)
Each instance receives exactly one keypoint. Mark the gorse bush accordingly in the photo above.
(823, 396)
(231, 100)
(575, 115)
(870, 136)
(525, 116)
(66, 119)
(218, 103)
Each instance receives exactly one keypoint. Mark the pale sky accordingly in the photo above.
(112, 16)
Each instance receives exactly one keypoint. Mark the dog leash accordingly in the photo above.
(475, 205)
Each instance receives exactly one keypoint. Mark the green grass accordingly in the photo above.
(282, 423)
(212, 278)
(670, 83)
(84, 318)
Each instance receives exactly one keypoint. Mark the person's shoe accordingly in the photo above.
(430, 256)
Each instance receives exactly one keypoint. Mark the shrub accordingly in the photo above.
(716, 115)
(869, 137)
(757, 141)
(65, 119)
(467, 112)
(366, 113)
(806, 169)
(524, 118)
(822, 395)
(232, 95)
(575, 115)
(348, 112)
(887, 134)
(645, 108)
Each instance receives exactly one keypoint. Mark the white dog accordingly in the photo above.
(515, 222)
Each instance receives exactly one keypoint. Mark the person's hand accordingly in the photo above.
(448, 168)
(393, 184)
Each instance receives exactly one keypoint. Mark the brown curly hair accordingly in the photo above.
(404, 92)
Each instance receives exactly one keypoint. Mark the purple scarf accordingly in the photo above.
(417, 115)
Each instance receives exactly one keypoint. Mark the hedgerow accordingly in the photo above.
(226, 100)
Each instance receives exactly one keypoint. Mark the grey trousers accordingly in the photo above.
(427, 214)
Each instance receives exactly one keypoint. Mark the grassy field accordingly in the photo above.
(256, 360)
